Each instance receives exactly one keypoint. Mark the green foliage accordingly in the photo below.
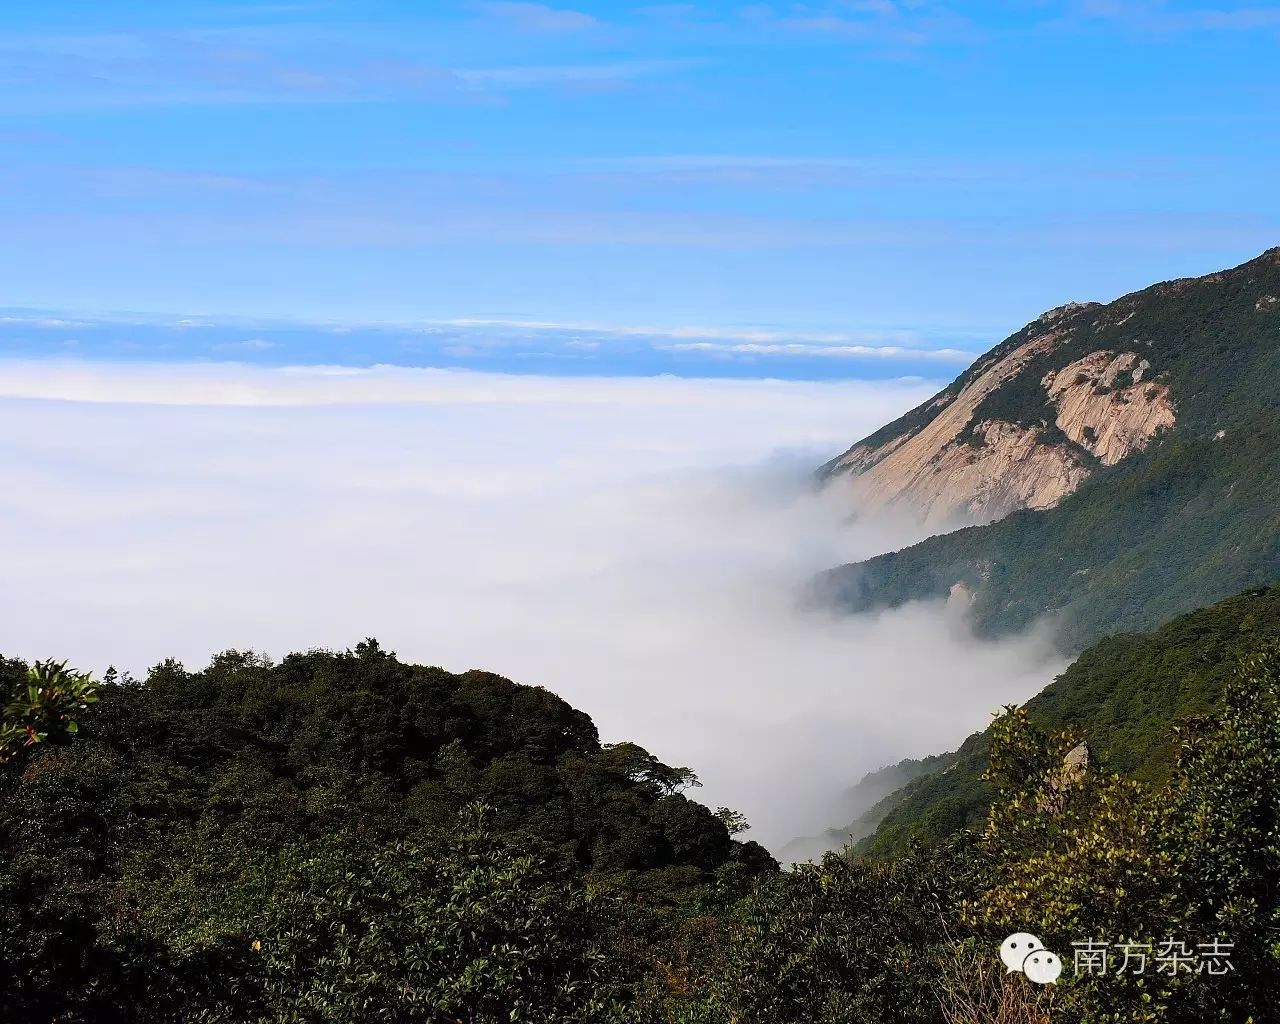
(735, 822)
(42, 704)
(840, 941)
(336, 931)
(1126, 694)
(1087, 855)
(1224, 830)
(188, 797)
(1070, 851)
(280, 843)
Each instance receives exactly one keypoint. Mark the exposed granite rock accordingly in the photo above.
(952, 469)
(1104, 406)
(940, 477)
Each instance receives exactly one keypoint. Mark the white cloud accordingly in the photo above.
(48, 322)
(879, 23)
(634, 545)
(248, 345)
(908, 342)
(236, 385)
(533, 76)
(329, 63)
(533, 17)
(948, 355)
(1159, 17)
(478, 336)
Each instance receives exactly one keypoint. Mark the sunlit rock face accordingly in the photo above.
(948, 463)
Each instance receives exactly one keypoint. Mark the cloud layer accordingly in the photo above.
(489, 343)
(633, 545)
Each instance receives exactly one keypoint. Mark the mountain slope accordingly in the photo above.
(1130, 449)
(1124, 694)
(955, 457)
(863, 805)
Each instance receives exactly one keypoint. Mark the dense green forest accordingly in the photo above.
(347, 838)
(1193, 519)
(1125, 695)
(194, 814)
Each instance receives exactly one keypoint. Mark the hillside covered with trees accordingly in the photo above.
(1125, 697)
(203, 835)
(1190, 518)
(347, 838)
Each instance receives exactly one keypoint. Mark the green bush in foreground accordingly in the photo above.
(1071, 854)
(335, 931)
(45, 701)
(173, 861)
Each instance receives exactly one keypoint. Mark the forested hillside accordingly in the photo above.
(1125, 696)
(204, 833)
(1186, 518)
(346, 838)
(863, 806)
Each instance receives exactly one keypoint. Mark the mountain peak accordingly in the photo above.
(1052, 316)
(1084, 386)
(1140, 439)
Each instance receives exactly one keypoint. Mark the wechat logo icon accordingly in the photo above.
(1022, 952)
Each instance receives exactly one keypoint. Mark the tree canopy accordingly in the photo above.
(341, 837)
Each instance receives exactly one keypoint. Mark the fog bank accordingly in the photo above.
(633, 545)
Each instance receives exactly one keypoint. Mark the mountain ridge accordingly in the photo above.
(962, 453)
(1162, 412)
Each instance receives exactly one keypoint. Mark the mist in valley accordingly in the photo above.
(637, 546)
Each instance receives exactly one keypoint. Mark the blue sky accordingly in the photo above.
(833, 188)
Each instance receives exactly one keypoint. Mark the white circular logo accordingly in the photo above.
(1042, 967)
(1014, 949)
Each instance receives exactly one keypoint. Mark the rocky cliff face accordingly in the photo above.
(1104, 406)
(973, 453)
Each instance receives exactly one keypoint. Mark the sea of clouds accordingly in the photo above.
(636, 545)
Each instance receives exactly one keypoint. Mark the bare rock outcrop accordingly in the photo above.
(939, 477)
(1059, 783)
(1104, 406)
(952, 469)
